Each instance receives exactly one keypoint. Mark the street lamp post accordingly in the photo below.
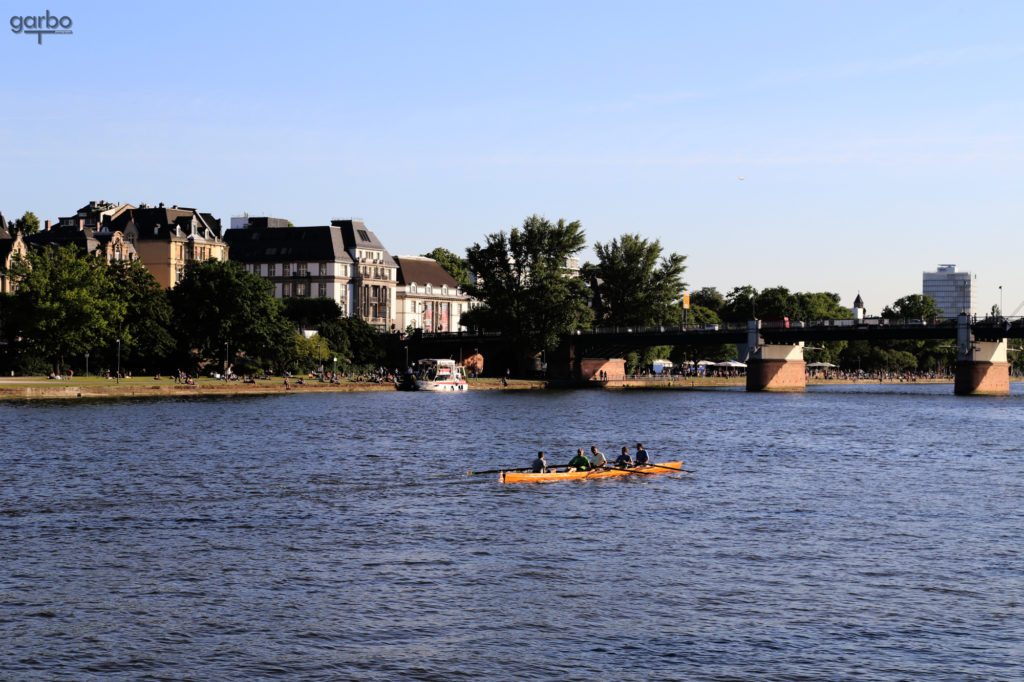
(87, 364)
(1001, 313)
(335, 365)
(117, 378)
(226, 360)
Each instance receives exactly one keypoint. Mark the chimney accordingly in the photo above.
(47, 225)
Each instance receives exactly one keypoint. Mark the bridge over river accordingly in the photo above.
(774, 348)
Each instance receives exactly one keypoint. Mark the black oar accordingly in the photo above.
(498, 471)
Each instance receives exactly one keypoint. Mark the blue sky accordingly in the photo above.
(875, 139)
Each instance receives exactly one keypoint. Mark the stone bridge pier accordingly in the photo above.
(982, 367)
(774, 367)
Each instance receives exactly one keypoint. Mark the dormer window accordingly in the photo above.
(412, 288)
(430, 289)
(444, 289)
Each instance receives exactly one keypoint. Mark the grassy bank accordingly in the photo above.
(28, 388)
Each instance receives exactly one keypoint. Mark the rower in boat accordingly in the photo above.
(624, 461)
(540, 465)
(642, 457)
(597, 459)
(579, 462)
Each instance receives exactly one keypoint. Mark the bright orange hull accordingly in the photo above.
(517, 477)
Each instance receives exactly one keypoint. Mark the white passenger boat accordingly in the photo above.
(438, 375)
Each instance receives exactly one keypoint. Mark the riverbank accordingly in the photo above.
(678, 383)
(41, 388)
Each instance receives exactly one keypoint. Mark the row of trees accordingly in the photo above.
(527, 296)
(68, 304)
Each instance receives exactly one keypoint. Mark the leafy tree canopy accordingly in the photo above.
(218, 303)
(453, 264)
(638, 285)
(64, 305)
(355, 342)
(524, 290)
(145, 329)
(747, 303)
(26, 225)
(709, 298)
(912, 307)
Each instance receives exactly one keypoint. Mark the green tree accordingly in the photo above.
(740, 305)
(820, 306)
(901, 354)
(523, 288)
(454, 265)
(709, 298)
(26, 225)
(912, 307)
(356, 343)
(65, 305)
(638, 285)
(220, 308)
(146, 340)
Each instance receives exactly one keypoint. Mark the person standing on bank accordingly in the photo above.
(540, 465)
(641, 455)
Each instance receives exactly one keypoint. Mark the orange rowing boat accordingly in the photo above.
(518, 477)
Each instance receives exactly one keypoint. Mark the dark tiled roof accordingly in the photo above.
(62, 235)
(85, 239)
(423, 271)
(6, 244)
(279, 244)
(146, 219)
(858, 302)
(357, 236)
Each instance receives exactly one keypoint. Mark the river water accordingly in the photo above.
(849, 532)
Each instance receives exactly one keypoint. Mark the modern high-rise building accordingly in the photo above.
(953, 291)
